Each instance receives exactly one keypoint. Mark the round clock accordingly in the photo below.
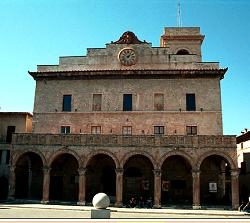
(127, 57)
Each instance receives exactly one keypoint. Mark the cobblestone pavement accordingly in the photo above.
(43, 211)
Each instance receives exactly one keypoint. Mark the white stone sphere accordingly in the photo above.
(101, 201)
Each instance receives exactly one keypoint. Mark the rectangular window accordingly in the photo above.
(10, 130)
(97, 102)
(95, 129)
(158, 102)
(127, 102)
(127, 130)
(67, 103)
(159, 130)
(191, 130)
(190, 102)
(65, 129)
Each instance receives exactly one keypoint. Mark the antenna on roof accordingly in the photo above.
(179, 21)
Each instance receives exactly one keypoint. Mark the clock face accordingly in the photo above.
(127, 57)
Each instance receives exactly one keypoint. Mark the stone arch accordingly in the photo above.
(232, 164)
(105, 152)
(138, 175)
(176, 175)
(65, 151)
(177, 153)
(215, 178)
(64, 175)
(138, 152)
(29, 174)
(101, 174)
(17, 155)
(182, 51)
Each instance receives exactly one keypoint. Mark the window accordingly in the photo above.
(10, 130)
(127, 130)
(65, 129)
(159, 130)
(67, 103)
(95, 129)
(97, 102)
(190, 102)
(158, 102)
(127, 102)
(182, 52)
(191, 130)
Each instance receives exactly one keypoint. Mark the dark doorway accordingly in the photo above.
(29, 177)
(3, 188)
(100, 177)
(138, 180)
(63, 178)
(176, 182)
(56, 188)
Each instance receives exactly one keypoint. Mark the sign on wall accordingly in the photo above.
(212, 187)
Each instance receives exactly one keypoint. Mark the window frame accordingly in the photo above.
(96, 106)
(126, 130)
(159, 130)
(67, 103)
(193, 130)
(159, 106)
(127, 102)
(66, 129)
(96, 129)
(190, 102)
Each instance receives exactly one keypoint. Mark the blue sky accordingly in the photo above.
(39, 31)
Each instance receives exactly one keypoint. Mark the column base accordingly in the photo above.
(44, 202)
(157, 206)
(81, 203)
(118, 204)
(196, 207)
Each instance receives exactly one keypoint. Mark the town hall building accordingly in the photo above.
(129, 120)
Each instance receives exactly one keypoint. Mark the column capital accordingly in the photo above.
(46, 169)
(82, 170)
(12, 168)
(119, 170)
(234, 173)
(196, 173)
(157, 172)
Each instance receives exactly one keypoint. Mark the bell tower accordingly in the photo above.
(183, 41)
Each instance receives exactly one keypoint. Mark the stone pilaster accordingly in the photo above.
(82, 186)
(12, 183)
(196, 189)
(157, 188)
(46, 184)
(119, 187)
(235, 188)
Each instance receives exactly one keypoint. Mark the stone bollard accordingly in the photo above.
(100, 201)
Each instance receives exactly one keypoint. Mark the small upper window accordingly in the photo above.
(182, 52)
(159, 130)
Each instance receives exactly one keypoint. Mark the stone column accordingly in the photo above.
(157, 188)
(12, 183)
(235, 189)
(196, 189)
(46, 184)
(82, 186)
(119, 187)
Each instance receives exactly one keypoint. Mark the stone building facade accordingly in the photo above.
(10, 122)
(243, 151)
(129, 120)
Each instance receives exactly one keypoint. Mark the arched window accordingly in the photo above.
(182, 52)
